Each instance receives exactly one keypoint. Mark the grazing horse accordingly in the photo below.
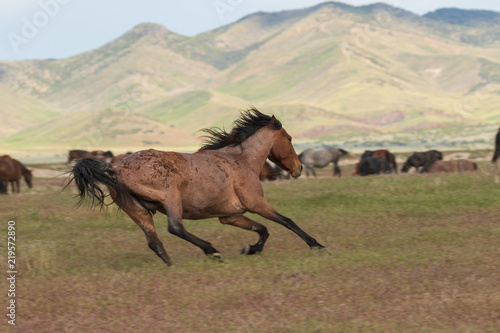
(495, 158)
(383, 153)
(219, 180)
(312, 158)
(420, 159)
(460, 165)
(11, 170)
(374, 166)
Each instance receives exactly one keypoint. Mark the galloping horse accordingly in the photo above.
(321, 158)
(417, 160)
(11, 170)
(219, 180)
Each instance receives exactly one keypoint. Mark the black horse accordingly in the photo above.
(383, 153)
(374, 166)
(420, 159)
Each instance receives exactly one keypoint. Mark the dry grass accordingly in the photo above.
(409, 253)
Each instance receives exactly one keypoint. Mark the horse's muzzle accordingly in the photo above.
(297, 171)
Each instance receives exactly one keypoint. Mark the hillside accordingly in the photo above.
(359, 76)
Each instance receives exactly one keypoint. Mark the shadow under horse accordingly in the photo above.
(220, 180)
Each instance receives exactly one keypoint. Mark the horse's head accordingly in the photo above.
(28, 177)
(282, 152)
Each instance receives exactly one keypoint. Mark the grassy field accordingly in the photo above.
(408, 253)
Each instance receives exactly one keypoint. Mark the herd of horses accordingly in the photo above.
(383, 162)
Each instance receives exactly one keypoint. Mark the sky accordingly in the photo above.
(55, 29)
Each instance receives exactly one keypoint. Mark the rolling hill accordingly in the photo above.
(357, 76)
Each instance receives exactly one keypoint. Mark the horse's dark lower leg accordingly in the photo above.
(176, 227)
(156, 246)
(143, 218)
(336, 169)
(243, 222)
(288, 223)
(314, 172)
(264, 209)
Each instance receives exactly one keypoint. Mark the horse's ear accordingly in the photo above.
(275, 123)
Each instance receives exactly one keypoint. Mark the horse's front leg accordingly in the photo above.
(264, 209)
(336, 169)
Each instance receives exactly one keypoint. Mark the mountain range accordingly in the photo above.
(355, 76)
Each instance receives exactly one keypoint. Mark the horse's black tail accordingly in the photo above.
(474, 165)
(344, 152)
(88, 173)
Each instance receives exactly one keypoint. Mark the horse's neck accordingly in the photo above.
(254, 151)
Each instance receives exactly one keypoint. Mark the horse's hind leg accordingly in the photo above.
(248, 224)
(312, 171)
(173, 209)
(143, 218)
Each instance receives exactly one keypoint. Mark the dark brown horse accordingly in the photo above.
(11, 171)
(120, 157)
(3, 188)
(78, 154)
(384, 153)
(220, 180)
(267, 172)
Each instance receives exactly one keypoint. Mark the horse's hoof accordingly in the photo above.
(215, 256)
(321, 249)
(246, 249)
(249, 250)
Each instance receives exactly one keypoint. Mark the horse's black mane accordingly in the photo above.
(249, 122)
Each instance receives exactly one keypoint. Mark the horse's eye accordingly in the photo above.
(290, 139)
